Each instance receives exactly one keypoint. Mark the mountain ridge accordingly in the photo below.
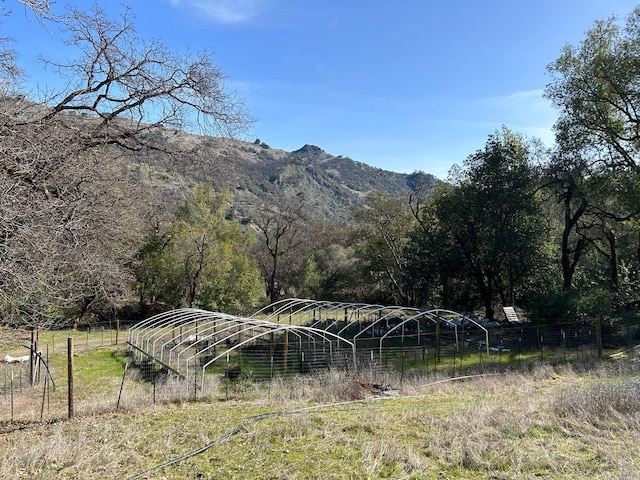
(257, 174)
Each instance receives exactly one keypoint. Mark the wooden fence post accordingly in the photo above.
(599, 334)
(70, 373)
(32, 359)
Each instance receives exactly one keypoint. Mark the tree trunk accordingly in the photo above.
(486, 294)
(569, 261)
(613, 257)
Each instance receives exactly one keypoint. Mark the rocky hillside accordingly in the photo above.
(258, 174)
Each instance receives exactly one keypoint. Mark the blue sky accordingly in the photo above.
(404, 86)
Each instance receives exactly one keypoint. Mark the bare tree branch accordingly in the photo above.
(128, 85)
(69, 226)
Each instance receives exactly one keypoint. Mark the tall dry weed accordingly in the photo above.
(598, 400)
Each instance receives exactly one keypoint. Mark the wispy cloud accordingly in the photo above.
(526, 111)
(531, 100)
(220, 11)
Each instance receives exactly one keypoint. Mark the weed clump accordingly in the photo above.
(600, 400)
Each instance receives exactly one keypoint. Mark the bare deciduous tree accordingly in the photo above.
(283, 233)
(68, 223)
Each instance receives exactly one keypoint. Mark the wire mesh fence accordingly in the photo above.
(509, 347)
(18, 362)
(30, 392)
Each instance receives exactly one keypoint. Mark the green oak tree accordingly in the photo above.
(595, 171)
(596, 87)
(385, 223)
(199, 259)
(487, 220)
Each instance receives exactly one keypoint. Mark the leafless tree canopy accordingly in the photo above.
(41, 8)
(139, 83)
(68, 220)
(66, 224)
(283, 232)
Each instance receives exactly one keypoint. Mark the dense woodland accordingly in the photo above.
(110, 208)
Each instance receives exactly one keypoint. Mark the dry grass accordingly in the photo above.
(545, 423)
(601, 400)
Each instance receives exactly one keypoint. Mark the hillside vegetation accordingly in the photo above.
(256, 174)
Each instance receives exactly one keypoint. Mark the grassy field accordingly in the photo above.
(544, 422)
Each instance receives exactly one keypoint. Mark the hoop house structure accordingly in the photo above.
(297, 336)
(370, 325)
(193, 343)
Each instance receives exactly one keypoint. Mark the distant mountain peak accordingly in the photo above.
(310, 149)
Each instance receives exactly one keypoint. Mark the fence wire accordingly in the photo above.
(27, 393)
